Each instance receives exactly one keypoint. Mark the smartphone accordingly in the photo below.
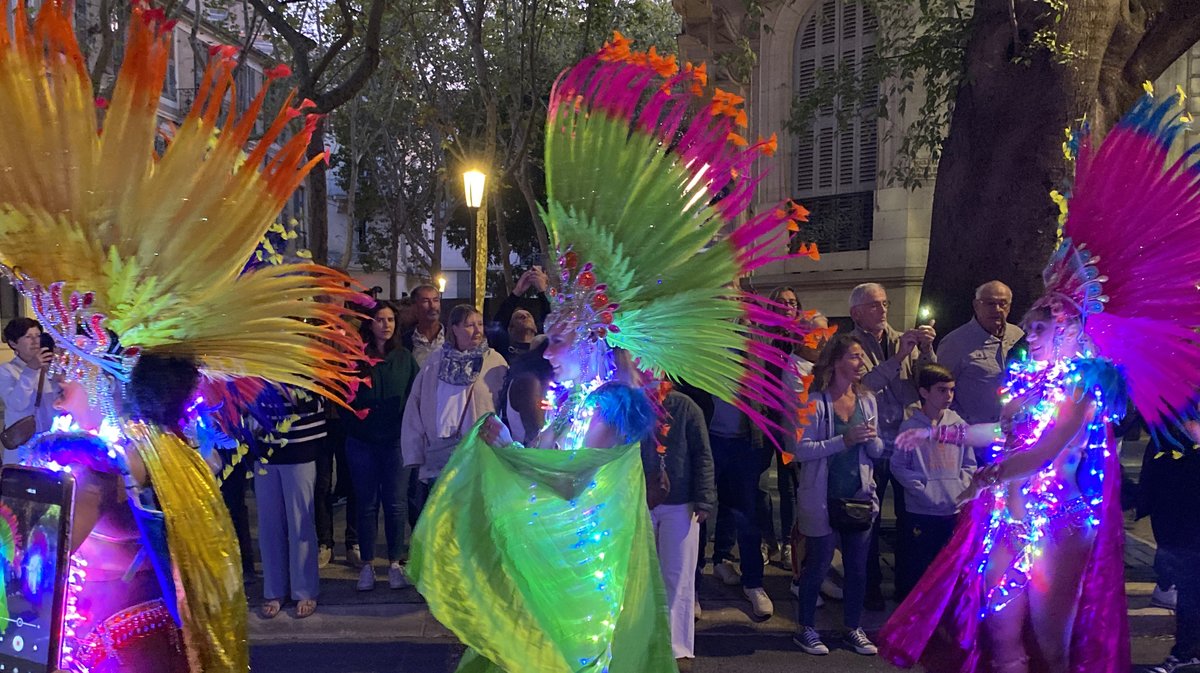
(35, 531)
(47, 341)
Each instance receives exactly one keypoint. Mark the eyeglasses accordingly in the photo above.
(994, 303)
(790, 302)
(875, 305)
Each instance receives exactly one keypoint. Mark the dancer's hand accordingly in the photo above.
(495, 433)
(984, 479)
(911, 440)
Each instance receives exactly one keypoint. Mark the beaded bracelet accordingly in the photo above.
(950, 434)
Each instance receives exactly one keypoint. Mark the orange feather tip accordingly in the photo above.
(280, 71)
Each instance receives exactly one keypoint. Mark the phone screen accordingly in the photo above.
(34, 508)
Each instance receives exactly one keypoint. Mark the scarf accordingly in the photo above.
(461, 368)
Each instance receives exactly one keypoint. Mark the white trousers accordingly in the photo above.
(287, 532)
(677, 537)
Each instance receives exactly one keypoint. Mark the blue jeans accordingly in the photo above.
(1181, 567)
(377, 476)
(738, 467)
(818, 557)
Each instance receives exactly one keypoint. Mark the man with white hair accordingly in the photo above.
(893, 358)
(976, 352)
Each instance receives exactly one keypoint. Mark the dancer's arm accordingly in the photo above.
(1071, 416)
(979, 434)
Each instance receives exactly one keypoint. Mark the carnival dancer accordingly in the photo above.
(643, 174)
(1033, 578)
(132, 259)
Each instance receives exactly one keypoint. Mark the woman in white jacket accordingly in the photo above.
(835, 498)
(456, 386)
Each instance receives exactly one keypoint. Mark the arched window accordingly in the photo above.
(836, 160)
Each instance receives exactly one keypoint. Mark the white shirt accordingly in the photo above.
(422, 348)
(18, 389)
(451, 403)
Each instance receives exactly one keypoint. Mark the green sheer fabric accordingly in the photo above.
(543, 561)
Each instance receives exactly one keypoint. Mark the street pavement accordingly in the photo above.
(386, 631)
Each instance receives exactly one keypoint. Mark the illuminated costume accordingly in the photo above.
(132, 260)
(1038, 557)
(543, 561)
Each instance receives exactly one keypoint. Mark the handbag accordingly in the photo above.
(658, 485)
(849, 515)
(20, 432)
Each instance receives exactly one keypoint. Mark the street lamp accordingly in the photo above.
(441, 283)
(474, 182)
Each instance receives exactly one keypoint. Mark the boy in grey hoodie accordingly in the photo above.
(932, 477)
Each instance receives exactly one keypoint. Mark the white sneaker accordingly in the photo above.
(353, 557)
(697, 612)
(831, 589)
(760, 603)
(1171, 665)
(397, 578)
(727, 573)
(366, 578)
(809, 640)
(1164, 598)
(785, 557)
(324, 556)
(861, 644)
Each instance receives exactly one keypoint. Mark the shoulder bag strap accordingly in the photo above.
(41, 384)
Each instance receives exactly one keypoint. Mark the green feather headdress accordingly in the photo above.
(648, 187)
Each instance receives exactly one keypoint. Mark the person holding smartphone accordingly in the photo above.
(27, 374)
(836, 501)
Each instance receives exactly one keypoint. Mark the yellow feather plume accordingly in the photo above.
(161, 240)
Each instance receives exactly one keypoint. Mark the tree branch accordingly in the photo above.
(1170, 32)
(340, 43)
(300, 43)
(370, 59)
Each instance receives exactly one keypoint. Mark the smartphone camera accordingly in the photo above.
(47, 341)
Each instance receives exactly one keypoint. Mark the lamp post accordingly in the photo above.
(441, 284)
(474, 182)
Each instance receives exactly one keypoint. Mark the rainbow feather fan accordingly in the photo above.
(101, 230)
(1134, 219)
(648, 187)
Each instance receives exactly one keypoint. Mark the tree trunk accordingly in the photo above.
(539, 227)
(318, 199)
(506, 270)
(992, 213)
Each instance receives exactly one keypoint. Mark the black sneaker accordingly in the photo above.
(861, 643)
(809, 640)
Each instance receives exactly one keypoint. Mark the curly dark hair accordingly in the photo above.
(161, 387)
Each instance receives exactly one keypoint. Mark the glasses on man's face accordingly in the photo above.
(876, 305)
(995, 303)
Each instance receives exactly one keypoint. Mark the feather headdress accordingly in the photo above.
(648, 185)
(1129, 259)
(113, 241)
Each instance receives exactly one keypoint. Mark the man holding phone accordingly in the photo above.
(893, 358)
(20, 377)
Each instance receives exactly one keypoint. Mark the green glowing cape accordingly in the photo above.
(543, 561)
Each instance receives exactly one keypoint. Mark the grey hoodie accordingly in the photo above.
(933, 475)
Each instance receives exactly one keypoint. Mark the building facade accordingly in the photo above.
(866, 230)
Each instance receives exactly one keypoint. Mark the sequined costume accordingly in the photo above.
(132, 258)
(541, 560)
(1039, 555)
